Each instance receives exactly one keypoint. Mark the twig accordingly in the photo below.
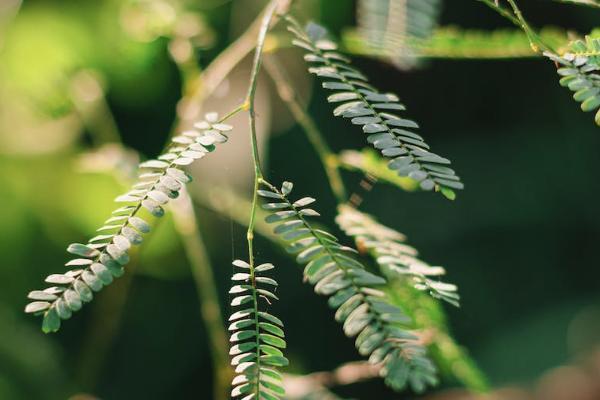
(196, 90)
(534, 38)
(589, 3)
(493, 4)
(299, 386)
(258, 175)
(517, 18)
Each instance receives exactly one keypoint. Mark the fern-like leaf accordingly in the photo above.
(395, 258)
(365, 312)
(580, 71)
(375, 112)
(395, 28)
(257, 337)
(102, 258)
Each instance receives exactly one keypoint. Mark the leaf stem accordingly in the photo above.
(315, 137)
(536, 42)
(258, 175)
(493, 4)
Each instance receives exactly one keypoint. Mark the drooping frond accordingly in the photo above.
(375, 112)
(365, 312)
(102, 258)
(395, 28)
(580, 71)
(395, 258)
(457, 43)
(257, 337)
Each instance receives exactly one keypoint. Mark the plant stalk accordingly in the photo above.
(258, 175)
(536, 42)
(517, 18)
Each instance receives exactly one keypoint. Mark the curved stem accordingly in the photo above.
(493, 4)
(534, 38)
(517, 18)
(258, 176)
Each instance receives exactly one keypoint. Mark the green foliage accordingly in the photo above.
(375, 112)
(457, 43)
(102, 259)
(580, 72)
(393, 256)
(363, 309)
(410, 286)
(391, 311)
(257, 337)
(391, 28)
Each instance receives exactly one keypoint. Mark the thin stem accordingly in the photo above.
(258, 176)
(534, 38)
(256, 64)
(493, 4)
(195, 92)
(240, 108)
(517, 18)
(210, 310)
(328, 158)
(319, 382)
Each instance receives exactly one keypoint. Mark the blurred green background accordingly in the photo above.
(520, 241)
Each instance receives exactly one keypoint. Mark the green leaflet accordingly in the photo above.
(386, 131)
(257, 337)
(580, 72)
(102, 259)
(395, 258)
(379, 328)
